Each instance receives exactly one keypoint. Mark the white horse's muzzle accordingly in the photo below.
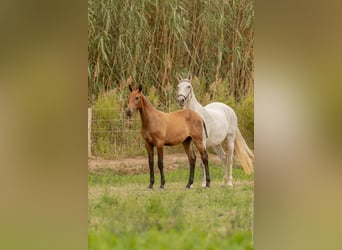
(181, 100)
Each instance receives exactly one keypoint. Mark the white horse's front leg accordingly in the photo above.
(204, 176)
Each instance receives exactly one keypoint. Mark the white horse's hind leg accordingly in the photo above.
(230, 144)
(220, 152)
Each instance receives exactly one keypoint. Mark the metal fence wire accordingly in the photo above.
(112, 137)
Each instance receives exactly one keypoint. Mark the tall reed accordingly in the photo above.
(150, 42)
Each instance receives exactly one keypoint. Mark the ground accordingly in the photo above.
(139, 164)
(124, 214)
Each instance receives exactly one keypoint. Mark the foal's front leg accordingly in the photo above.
(161, 166)
(149, 148)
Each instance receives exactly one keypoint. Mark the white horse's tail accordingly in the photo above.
(243, 153)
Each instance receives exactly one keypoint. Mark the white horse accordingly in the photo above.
(221, 123)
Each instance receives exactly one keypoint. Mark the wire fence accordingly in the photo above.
(113, 137)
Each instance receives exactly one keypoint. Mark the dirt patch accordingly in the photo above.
(139, 164)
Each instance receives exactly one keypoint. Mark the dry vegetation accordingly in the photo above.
(149, 42)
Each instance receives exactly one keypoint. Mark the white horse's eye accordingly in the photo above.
(188, 87)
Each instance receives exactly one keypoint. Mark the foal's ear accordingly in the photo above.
(130, 87)
(140, 87)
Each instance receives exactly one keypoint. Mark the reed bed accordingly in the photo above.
(150, 42)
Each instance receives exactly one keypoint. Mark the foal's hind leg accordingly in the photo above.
(204, 157)
(160, 166)
(220, 152)
(149, 148)
(192, 161)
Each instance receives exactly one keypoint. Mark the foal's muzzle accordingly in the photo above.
(129, 112)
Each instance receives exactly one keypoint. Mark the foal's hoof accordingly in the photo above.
(188, 186)
(161, 188)
(150, 187)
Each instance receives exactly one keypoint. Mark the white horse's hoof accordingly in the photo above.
(230, 182)
(225, 183)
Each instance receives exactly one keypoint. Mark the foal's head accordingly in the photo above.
(184, 92)
(134, 101)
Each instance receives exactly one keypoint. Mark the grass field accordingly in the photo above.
(124, 214)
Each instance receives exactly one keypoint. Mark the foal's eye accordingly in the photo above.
(137, 98)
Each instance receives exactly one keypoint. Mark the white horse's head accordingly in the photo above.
(184, 92)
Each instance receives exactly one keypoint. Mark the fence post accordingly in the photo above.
(89, 131)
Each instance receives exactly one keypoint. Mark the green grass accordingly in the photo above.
(124, 214)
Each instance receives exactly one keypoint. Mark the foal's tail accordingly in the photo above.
(243, 153)
(205, 129)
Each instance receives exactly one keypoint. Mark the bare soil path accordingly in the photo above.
(139, 164)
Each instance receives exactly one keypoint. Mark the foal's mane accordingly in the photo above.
(146, 108)
(146, 101)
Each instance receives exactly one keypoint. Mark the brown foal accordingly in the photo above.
(169, 129)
